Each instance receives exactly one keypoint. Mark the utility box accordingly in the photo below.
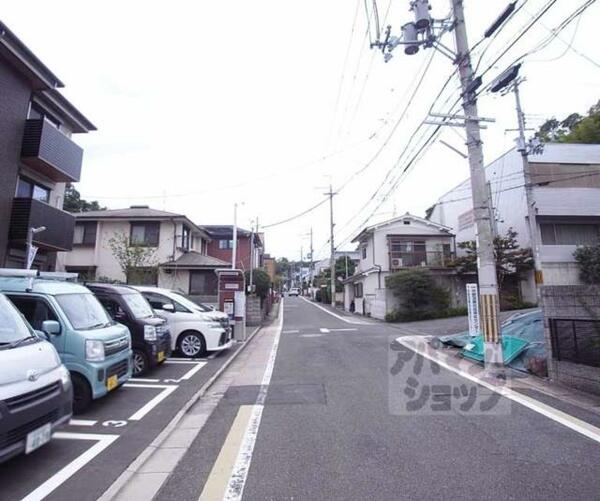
(232, 299)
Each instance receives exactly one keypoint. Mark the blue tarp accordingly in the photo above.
(527, 328)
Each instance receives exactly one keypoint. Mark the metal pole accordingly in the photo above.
(251, 255)
(234, 248)
(28, 247)
(332, 258)
(488, 285)
(300, 276)
(531, 212)
(311, 264)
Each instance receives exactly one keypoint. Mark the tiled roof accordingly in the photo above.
(130, 213)
(196, 260)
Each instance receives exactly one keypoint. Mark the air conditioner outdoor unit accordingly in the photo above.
(397, 263)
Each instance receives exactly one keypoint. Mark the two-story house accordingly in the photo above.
(400, 243)
(37, 156)
(177, 250)
(250, 246)
(565, 181)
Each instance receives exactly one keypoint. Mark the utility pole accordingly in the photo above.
(311, 274)
(234, 247)
(331, 241)
(531, 212)
(488, 285)
(252, 252)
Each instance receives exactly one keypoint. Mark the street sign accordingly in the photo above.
(31, 253)
(473, 309)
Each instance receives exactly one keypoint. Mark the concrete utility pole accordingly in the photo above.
(488, 285)
(531, 212)
(252, 252)
(332, 258)
(234, 247)
(311, 263)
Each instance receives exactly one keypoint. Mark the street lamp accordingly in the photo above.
(31, 250)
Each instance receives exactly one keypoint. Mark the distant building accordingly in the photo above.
(566, 193)
(250, 246)
(324, 264)
(37, 156)
(270, 266)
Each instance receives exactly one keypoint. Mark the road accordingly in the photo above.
(325, 407)
(83, 459)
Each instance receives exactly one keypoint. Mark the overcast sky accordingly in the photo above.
(202, 104)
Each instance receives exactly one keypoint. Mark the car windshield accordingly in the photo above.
(84, 311)
(138, 305)
(13, 326)
(187, 303)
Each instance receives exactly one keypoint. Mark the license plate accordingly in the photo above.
(37, 438)
(160, 356)
(112, 382)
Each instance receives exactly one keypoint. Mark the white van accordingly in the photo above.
(36, 395)
(193, 331)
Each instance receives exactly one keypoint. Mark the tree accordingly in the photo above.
(340, 273)
(588, 259)
(261, 281)
(511, 260)
(137, 262)
(418, 292)
(74, 203)
(573, 129)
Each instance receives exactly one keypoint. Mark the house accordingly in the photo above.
(37, 156)
(177, 250)
(385, 248)
(324, 264)
(566, 195)
(250, 245)
(270, 266)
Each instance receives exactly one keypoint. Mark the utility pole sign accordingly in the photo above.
(473, 310)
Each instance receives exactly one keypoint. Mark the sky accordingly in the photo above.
(201, 105)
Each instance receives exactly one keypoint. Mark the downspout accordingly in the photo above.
(378, 266)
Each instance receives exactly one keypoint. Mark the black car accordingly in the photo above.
(150, 337)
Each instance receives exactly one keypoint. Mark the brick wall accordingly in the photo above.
(572, 302)
(254, 312)
(242, 252)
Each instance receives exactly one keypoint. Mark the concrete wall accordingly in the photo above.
(254, 312)
(572, 303)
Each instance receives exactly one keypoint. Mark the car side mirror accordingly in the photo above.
(43, 335)
(51, 327)
(168, 307)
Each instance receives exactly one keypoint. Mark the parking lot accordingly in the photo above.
(84, 458)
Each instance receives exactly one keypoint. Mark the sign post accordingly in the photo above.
(232, 299)
(473, 310)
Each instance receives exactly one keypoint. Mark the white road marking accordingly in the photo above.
(239, 474)
(167, 390)
(324, 331)
(82, 422)
(143, 380)
(294, 331)
(183, 359)
(56, 480)
(311, 335)
(342, 330)
(560, 417)
(348, 320)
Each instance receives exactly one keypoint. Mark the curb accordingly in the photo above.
(114, 489)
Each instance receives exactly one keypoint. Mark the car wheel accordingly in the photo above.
(192, 345)
(140, 363)
(82, 393)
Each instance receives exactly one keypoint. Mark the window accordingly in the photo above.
(185, 238)
(406, 252)
(113, 308)
(225, 244)
(569, 234)
(364, 252)
(86, 273)
(156, 300)
(34, 309)
(85, 233)
(203, 283)
(29, 189)
(358, 290)
(84, 311)
(145, 234)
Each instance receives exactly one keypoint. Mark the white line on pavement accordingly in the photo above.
(82, 422)
(311, 335)
(339, 317)
(181, 362)
(560, 417)
(294, 331)
(239, 474)
(143, 380)
(183, 359)
(167, 390)
(324, 331)
(342, 330)
(74, 466)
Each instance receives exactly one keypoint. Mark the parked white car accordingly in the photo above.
(193, 331)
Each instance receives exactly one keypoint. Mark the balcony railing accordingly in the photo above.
(424, 259)
(30, 213)
(50, 152)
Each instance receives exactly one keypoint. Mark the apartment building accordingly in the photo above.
(37, 156)
(566, 197)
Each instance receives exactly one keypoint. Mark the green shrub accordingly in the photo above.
(588, 259)
(420, 296)
(397, 316)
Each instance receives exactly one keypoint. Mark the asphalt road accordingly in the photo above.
(84, 458)
(343, 419)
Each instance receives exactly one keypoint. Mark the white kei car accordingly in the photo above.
(193, 331)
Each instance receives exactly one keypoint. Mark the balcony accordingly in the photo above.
(30, 213)
(422, 259)
(50, 152)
